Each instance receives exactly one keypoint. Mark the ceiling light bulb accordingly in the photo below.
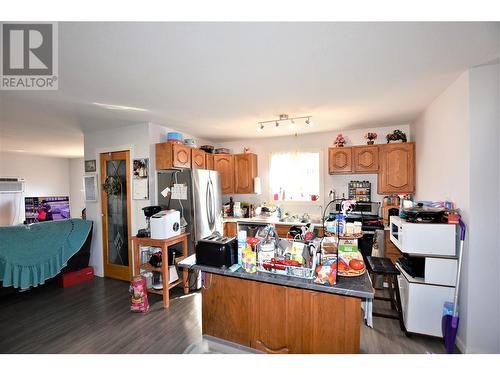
(260, 128)
(308, 122)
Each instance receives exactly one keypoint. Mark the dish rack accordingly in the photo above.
(293, 271)
(301, 272)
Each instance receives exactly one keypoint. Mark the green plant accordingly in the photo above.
(112, 185)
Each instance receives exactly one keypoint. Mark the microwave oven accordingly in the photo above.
(423, 239)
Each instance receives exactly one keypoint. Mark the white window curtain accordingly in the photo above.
(294, 176)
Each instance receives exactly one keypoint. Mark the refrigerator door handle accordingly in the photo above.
(210, 205)
(213, 203)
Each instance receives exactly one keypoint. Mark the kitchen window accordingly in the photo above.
(295, 176)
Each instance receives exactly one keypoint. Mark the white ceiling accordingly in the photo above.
(217, 80)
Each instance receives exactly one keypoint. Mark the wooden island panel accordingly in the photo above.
(278, 319)
(227, 308)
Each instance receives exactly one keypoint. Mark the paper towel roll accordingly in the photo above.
(257, 186)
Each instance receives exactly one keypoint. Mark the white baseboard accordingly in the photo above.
(460, 345)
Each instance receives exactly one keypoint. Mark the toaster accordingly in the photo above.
(217, 251)
(165, 224)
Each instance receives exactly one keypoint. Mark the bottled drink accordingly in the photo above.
(242, 243)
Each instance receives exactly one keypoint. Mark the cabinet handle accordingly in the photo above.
(261, 346)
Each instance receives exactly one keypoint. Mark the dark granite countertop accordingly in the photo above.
(360, 286)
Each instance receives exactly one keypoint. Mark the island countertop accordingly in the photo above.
(269, 220)
(359, 286)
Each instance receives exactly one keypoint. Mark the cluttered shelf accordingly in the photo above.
(170, 286)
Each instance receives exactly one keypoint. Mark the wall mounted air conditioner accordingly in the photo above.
(11, 185)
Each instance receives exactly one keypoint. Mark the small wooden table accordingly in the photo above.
(163, 244)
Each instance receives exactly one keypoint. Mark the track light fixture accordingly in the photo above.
(284, 117)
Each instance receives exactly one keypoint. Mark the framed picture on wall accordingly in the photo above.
(90, 166)
(140, 179)
(90, 187)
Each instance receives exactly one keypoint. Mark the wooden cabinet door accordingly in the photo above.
(209, 161)
(227, 308)
(245, 170)
(224, 164)
(390, 250)
(339, 160)
(343, 333)
(163, 154)
(397, 168)
(230, 229)
(282, 229)
(181, 156)
(278, 319)
(197, 158)
(365, 159)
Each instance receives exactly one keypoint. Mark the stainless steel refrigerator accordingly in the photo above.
(201, 207)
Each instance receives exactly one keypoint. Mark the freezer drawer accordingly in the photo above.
(422, 305)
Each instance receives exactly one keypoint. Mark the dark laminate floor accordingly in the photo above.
(94, 317)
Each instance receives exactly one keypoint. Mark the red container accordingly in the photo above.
(75, 277)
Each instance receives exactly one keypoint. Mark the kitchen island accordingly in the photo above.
(282, 314)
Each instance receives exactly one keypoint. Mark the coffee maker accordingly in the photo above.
(148, 212)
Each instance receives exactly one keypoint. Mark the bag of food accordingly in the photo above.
(139, 295)
(350, 261)
(326, 273)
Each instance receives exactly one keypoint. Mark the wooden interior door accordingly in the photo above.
(224, 164)
(339, 160)
(116, 208)
(245, 170)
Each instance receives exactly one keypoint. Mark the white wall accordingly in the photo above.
(139, 140)
(43, 175)
(442, 137)
(133, 138)
(76, 192)
(457, 158)
(484, 282)
(263, 147)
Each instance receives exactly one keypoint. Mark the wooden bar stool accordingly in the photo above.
(385, 267)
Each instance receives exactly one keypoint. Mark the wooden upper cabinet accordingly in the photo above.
(198, 158)
(181, 156)
(171, 155)
(209, 161)
(224, 164)
(339, 160)
(365, 159)
(397, 168)
(245, 170)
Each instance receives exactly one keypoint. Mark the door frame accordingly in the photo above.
(110, 270)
